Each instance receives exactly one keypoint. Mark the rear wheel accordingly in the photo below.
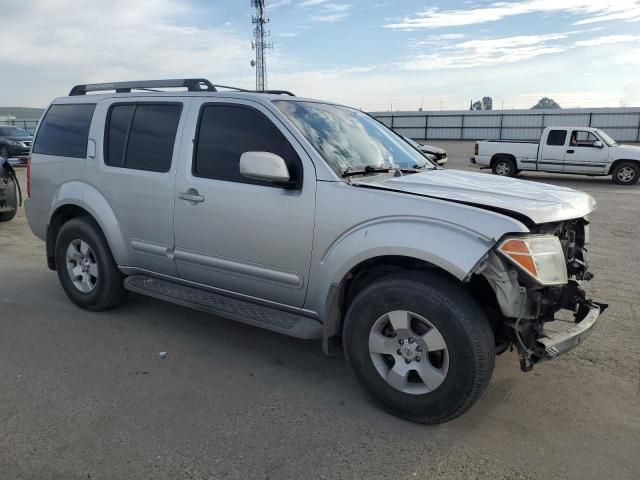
(504, 167)
(85, 266)
(420, 346)
(626, 173)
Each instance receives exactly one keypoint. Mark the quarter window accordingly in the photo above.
(557, 137)
(226, 132)
(65, 131)
(141, 136)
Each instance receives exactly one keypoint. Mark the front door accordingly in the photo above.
(582, 156)
(245, 236)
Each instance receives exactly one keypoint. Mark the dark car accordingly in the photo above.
(9, 191)
(14, 142)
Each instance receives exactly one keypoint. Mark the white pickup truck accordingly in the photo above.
(573, 150)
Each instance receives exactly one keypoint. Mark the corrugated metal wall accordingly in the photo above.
(623, 124)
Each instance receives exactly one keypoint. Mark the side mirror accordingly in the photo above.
(264, 166)
(598, 144)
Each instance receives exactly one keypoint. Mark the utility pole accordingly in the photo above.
(259, 44)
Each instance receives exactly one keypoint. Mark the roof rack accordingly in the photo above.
(191, 84)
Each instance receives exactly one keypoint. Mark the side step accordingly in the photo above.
(257, 315)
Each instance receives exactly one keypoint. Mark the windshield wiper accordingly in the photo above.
(351, 171)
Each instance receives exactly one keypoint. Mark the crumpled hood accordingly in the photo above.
(540, 202)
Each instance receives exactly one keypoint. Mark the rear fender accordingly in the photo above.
(88, 198)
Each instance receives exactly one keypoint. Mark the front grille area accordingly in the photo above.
(573, 237)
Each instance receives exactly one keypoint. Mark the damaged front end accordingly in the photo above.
(534, 276)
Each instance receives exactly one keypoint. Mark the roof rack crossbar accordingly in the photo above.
(278, 92)
(191, 84)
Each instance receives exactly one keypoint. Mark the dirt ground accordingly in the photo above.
(86, 395)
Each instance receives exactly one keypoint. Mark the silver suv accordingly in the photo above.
(313, 220)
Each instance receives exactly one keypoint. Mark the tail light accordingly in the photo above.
(29, 176)
(475, 149)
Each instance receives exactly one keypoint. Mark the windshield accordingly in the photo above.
(13, 132)
(607, 139)
(348, 139)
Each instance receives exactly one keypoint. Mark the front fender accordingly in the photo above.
(88, 198)
(454, 248)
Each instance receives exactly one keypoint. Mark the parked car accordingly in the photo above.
(435, 154)
(14, 142)
(288, 214)
(9, 191)
(573, 150)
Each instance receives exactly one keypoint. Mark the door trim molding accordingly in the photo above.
(236, 267)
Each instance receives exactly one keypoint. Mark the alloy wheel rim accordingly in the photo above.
(502, 168)
(82, 266)
(626, 174)
(408, 352)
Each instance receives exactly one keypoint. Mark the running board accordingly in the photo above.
(257, 315)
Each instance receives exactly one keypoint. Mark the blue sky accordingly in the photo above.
(372, 54)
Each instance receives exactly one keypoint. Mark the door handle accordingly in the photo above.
(570, 151)
(191, 195)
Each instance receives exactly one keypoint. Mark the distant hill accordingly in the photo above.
(21, 113)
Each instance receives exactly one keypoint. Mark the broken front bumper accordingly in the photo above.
(550, 345)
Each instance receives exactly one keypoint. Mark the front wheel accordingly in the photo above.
(420, 346)
(626, 173)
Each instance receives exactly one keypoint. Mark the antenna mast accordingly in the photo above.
(259, 44)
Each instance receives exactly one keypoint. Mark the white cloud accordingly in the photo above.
(631, 15)
(605, 40)
(311, 3)
(278, 4)
(287, 34)
(72, 41)
(436, 18)
(485, 52)
(336, 17)
(327, 12)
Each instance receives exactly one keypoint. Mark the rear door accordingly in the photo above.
(552, 151)
(134, 170)
(582, 156)
(249, 237)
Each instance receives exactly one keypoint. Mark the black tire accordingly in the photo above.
(504, 166)
(11, 193)
(626, 173)
(461, 323)
(108, 291)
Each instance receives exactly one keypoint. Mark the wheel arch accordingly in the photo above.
(85, 201)
(617, 162)
(498, 156)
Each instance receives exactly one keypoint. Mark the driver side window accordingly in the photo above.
(580, 138)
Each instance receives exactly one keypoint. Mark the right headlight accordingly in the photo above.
(539, 256)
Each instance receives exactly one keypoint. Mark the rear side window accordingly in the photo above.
(65, 130)
(226, 132)
(557, 137)
(141, 136)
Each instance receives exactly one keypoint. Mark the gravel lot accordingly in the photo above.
(86, 395)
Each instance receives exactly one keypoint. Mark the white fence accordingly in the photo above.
(623, 124)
